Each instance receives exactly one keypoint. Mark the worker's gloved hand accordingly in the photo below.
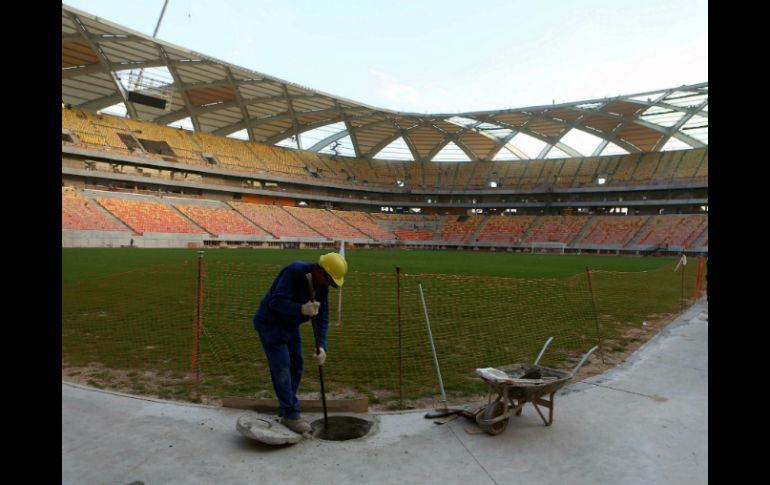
(310, 309)
(320, 356)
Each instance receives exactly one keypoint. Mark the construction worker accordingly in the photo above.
(284, 307)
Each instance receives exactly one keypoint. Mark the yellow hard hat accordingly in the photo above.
(335, 265)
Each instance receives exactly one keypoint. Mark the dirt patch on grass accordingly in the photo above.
(159, 385)
(167, 385)
(615, 351)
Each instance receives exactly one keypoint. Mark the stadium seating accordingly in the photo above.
(548, 177)
(92, 129)
(531, 176)
(703, 172)
(586, 172)
(233, 154)
(556, 229)
(415, 235)
(180, 140)
(460, 228)
(689, 164)
(326, 223)
(646, 167)
(148, 216)
(101, 131)
(364, 223)
(612, 230)
(78, 214)
(220, 220)
(275, 220)
(626, 168)
(673, 230)
(568, 173)
(508, 229)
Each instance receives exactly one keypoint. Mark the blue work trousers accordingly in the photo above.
(284, 356)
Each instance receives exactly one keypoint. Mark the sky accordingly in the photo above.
(441, 56)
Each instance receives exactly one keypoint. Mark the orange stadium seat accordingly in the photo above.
(556, 229)
(615, 230)
(77, 213)
(509, 229)
(673, 230)
(274, 219)
(326, 223)
(148, 216)
(220, 220)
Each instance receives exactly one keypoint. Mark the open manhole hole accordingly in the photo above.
(341, 428)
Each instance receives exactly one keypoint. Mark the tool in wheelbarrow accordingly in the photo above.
(438, 413)
(513, 390)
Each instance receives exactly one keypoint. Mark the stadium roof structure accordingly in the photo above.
(105, 65)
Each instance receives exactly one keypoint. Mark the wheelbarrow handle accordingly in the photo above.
(584, 359)
(543, 351)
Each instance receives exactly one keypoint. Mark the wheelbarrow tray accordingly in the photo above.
(551, 381)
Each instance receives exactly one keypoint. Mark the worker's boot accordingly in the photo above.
(298, 425)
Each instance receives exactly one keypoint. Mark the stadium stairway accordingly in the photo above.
(439, 227)
(302, 222)
(590, 223)
(532, 227)
(641, 231)
(252, 221)
(472, 237)
(92, 198)
(350, 225)
(696, 234)
(698, 241)
(184, 216)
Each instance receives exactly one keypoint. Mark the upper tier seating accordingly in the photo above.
(103, 132)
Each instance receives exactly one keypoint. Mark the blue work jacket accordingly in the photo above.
(282, 304)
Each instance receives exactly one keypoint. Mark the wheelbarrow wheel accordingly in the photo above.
(492, 411)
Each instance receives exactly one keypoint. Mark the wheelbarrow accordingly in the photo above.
(515, 385)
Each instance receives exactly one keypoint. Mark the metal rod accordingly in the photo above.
(196, 347)
(543, 351)
(683, 299)
(400, 360)
(433, 347)
(314, 322)
(583, 360)
(596, 314)
(157, 26)
(339, 307)
(160, 19)
(339, 300)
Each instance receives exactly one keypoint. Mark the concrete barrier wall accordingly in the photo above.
(94, 239)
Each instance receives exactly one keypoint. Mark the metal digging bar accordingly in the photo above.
(446, 411)
(314, 321)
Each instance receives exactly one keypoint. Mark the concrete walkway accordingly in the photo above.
(643, 422)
